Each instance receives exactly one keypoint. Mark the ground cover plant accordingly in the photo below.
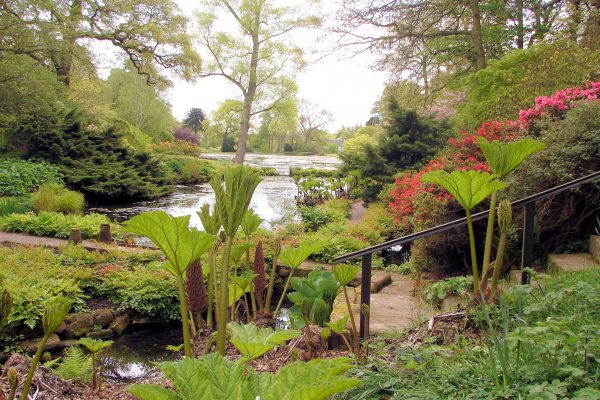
(53, 224)
(537, 344)
(18, 178)
(34, 275)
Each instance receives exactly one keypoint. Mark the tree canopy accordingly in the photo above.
(58, 34)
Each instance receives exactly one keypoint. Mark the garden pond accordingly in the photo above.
(273, 199)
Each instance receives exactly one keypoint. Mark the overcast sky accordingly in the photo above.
(346, 87)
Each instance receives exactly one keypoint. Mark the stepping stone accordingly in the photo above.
(571, 262)
(595, 247)
(393, 313)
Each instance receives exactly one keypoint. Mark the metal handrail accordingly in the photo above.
(458, 222)
(528, 204)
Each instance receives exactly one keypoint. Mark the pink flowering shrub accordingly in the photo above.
(462, 153)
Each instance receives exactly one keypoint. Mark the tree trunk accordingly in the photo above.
(248, 100)
(591, 35)
(62, 55)
(575, 18)
(476, 36)
(520, 29)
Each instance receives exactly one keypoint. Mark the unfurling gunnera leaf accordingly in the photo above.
(253, 341)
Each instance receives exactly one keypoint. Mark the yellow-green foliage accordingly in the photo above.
(55, 198)
(375, 226)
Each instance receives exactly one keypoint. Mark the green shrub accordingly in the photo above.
(189, 170)
(334, 246)
(98, 163)
(332, 211)
(54, 197)
(12, 205)
(457, 285)
(512, 83)
(53, 224)
(572, 151)
(314, 217)
(149, 292)
(20, 177)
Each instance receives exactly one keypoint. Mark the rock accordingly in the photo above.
(380, 280)
(571, 262)
(101, 334)
(340, 308)
(120, 323)
(103, 317)
(283, 272)
(68, 343)
(78, 325)
(31, 346)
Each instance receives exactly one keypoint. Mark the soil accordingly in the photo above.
(272, 361)
(50, 387)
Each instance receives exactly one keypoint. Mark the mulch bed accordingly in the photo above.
(47, 386)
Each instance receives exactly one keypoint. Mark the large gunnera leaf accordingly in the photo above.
(469, 188)
(180, 244)
(503, 158)
(214, 377)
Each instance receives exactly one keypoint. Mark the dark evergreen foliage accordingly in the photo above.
(193, 119)
(411, 140)
(98, 164)
(228, 145)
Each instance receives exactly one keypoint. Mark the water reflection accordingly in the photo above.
(133, 354)
(273, 199)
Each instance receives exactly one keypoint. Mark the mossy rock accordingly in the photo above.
(78, 325)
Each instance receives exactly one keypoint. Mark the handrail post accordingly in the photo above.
(365, 296)
(527, 251)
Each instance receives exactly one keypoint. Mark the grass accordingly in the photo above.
(543, 344)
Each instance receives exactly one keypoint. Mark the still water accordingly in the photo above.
(273, 199)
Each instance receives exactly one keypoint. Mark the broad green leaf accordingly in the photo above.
(211, 377)
(505, 158)
(345, 273)
(210, 222)
(253, 342)
(251, 222)
(235, 292)
(244, 281)
(94, 345)
(338, 326)
(314, 380)
(293, 257)
(214, 377)
(153, 392)
(180, 244)
(237, 251)
(469, 188)
(233, 194)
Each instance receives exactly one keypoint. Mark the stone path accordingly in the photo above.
(356, 212)
(20, 239)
